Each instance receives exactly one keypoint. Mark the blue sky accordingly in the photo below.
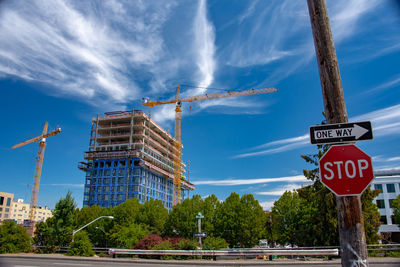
(66, 61)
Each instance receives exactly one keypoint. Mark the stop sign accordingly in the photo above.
(346, 170)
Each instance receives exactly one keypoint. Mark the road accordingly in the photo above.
(45, 261)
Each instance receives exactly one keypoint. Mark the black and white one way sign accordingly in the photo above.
(341, 132)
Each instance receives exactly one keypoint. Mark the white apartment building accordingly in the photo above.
(20, 212)
(389, 183)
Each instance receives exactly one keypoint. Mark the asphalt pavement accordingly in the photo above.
(45, 260)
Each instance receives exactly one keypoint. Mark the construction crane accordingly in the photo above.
(178, 117)
(39, 164)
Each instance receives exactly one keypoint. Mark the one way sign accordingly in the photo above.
(341, 132)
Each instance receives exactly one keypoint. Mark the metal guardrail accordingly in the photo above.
(230, 252)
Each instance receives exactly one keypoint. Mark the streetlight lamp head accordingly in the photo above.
(110, 217)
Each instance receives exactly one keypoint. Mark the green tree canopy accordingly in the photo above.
(182, 219)
(61, 224)
(81, 246)
(13, 238)
(240, 221)
(154, 215)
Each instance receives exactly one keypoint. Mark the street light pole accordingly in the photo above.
(105, 235)
(75, 231)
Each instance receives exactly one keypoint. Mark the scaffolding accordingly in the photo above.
(148, 153)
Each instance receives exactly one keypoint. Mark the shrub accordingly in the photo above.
(186, 244)
(81, 246)
(214, 243)
(13, 238)
(148, 242)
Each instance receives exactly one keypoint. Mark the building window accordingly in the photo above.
(391, 203)
(383, 220)
(107, 172)
(1, 200)
(119, 197)
(8, 202)
(380, 203)
(390, 188)
(120, 180)
(121, 171)
(6, 210)
(120, 188)
(379, 187)
(99, 189)
(105, 197)
(106, 189)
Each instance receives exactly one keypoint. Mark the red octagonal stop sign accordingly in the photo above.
(346, 170)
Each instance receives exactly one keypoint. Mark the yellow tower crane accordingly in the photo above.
(39, 164)
(178, 116)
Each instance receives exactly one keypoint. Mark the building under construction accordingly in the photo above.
(130, 156)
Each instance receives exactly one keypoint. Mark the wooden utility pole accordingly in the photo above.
(351, 223)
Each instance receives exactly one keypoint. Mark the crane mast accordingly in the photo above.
(178, 118)
(38, 166)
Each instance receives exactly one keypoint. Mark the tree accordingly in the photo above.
(182, 219)
(81, 246)
(43, 238)
(210, 205)
(240, 221)
(94, 230)
(127, 212)
(285, 217)
(122, 236)
(154, 215)
(13, 238)
(63, 220)
(57, 230)
(396, 210)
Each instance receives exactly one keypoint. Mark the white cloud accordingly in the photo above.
(204, 35)
(280, 190)
(385, 121)
(86, 50)
(233, 182)
(65, 185)
(267, 205)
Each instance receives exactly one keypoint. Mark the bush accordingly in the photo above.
(81, 246)
(186, 244)
(13, 238)
(148, 242)
(214, 243)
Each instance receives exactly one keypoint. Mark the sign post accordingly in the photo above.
(199, 216)
(353, 243)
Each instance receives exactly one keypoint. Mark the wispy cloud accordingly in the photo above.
(233, 182)
(83, 50)
(65, 185)
(280, 190)
(385, 121)
(281, 32)
(394, 82)
(204, 34)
